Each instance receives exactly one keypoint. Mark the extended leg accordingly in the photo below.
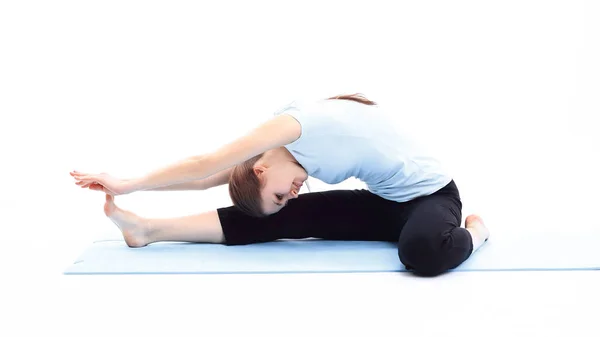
(333, 215)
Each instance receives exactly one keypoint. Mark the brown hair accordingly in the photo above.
(360, 98)
(244, 185)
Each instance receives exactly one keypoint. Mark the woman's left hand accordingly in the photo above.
(104, 182)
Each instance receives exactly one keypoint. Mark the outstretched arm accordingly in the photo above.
(217, 179)
(274, 133)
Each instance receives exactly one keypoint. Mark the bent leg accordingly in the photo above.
(432, 240)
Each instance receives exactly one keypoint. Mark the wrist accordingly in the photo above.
(133, 185)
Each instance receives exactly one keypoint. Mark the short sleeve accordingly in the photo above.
(304, 113)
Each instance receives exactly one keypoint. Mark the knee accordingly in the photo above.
(426, 255)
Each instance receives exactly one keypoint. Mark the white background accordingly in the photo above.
(506, 92)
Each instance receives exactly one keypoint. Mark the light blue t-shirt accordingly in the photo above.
(342, 139)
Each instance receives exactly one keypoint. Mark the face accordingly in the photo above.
(282, 182)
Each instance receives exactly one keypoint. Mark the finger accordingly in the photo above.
(84, 183)
(81, 182)
(88, 179)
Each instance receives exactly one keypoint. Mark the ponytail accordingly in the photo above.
(355, 97)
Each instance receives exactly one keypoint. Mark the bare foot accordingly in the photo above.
(475, 222)
(131, 225)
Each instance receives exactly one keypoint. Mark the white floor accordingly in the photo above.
(35, 294)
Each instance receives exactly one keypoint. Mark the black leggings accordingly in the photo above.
(427, 229)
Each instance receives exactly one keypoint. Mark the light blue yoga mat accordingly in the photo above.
(503, 252)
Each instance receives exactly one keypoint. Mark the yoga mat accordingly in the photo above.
(503, 252)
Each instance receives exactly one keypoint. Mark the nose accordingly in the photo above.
(294, 193)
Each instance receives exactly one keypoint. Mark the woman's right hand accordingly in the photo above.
(102, 182)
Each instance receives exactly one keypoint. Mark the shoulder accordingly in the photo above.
(274, 133)
(303, 115)
(283, 129)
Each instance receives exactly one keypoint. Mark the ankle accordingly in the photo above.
(145, 231)
(137, 235)
(476, 237)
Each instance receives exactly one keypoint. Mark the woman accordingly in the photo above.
(410, 199)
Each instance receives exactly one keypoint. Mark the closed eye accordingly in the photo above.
(279, 197)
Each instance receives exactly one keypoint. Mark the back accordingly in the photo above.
(342, 139)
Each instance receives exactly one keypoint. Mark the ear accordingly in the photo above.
(259, 169)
